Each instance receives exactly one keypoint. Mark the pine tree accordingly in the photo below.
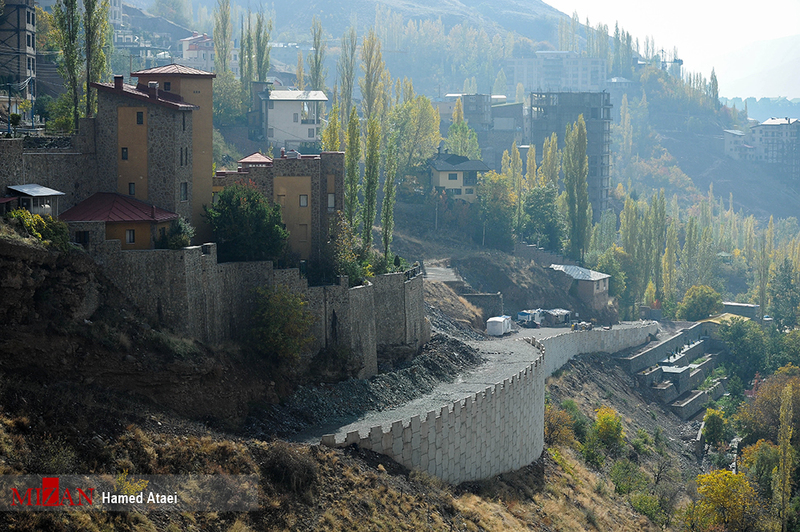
(387, 207)
(352, 172)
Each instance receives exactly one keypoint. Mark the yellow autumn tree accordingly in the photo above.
(728, 499)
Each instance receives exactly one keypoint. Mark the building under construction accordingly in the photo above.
(18, 52)
(552, 111)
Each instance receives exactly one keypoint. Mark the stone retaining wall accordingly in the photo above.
(657, 353)
(490, 304)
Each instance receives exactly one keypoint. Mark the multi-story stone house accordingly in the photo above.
(773, 142)
(286, 118)
(18, 53)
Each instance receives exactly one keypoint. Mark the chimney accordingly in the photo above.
(153, 211)
(283, 153)
(152, 89)
(118, 83)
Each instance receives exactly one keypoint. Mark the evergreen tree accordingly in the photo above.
(371, 174)
(387, 207)
(223, 35)
(352, 172)
(576, 169)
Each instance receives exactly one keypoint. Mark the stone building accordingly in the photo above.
(309, 188)
(591, 286)
(774, 142)
(18, 52)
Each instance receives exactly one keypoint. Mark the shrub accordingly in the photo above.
(45, 228)
(608, 427)
(580, 424)
(179, 236)
(649, 506)
(557, 427)
(290, 468)
(281, 326)
(592, 453)
(628, 477)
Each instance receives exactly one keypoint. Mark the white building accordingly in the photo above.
(773, 142)
(291, 118)
(197, 52)
(556, 72)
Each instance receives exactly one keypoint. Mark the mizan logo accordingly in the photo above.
(50, 495)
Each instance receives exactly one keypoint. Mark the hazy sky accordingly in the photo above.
(703, 31)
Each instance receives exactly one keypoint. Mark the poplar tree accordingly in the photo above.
(785, 454)
(331, 140)
(316, 61)
(67, 24)
(551, 162)
(689, 260)
(95, 30)
(387, 207)
(668, 263)
(262, 46)
(530, 167)
(371, 171)
(576, 170)
(346, 68)
(461, 139)
(223, 31)
(301, 82)
(351, 178)
(372, 64)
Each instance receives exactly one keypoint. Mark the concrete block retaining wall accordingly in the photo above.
(490, 304)
(657, 353)
(561, 348)
(494, 431)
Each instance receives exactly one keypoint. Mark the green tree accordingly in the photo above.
(786, 455)
(668, 263)
(246, 227)
(417, 125)
(461, 139)
(729, 499)
(346, 68)
(713, 93)
(352, 175)
(262, 46)
(609, 263)
(551, 161)
(371, 171)
(227, 105)
(497, 211)
(67, 24)
(281, 327)
(500, 83)
(608, 428)
(331, 140)
(223, 35)
(699, 303)
(758, 462)
(300, 82)
(714, 426)
(387, 207)
(316, 60)
(783, 295)
(373, 66)
(746, 345)
(542, 223)
(95, 31)
(576, 170)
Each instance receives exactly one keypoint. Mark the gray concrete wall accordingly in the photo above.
(561, 348)
(652, 356)
(540, 257)
(362, 328)
(498, 430)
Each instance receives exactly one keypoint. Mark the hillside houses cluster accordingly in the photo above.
(773, 142)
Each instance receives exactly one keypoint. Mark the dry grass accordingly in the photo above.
(445, 299)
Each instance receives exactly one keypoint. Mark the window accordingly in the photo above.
(130, 236)
(452, 177)
(296, 118)
(184, 121)
(331, 202)
(181, 156)
(167, 86)
(271, 105)
(124, 154)
(185, 191)
(304, 200)
(311, 132)
(282, 200)
(469, 191)
(139, 118)
(270, 132)
(131, 189)
(82, 237)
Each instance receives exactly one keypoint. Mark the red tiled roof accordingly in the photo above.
(7, 199)
(164, 98)
(255, 158)
(112, 207)
(171, 70)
